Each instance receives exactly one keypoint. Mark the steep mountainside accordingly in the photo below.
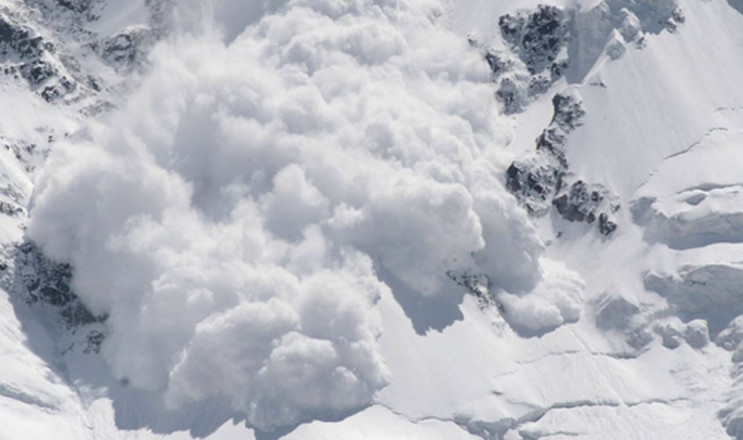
(372, 219)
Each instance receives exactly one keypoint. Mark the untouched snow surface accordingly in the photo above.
(290, 219)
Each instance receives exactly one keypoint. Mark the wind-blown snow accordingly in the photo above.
(231, 219)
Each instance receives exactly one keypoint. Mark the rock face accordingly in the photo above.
(548, 43)
(537, 58)
(56, 50)
(535, 179)
(122, 49)
(538, 38)
(30, 56)
(543, 179)
(582, 202)
(39, 280)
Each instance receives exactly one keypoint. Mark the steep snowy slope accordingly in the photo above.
(370, 219)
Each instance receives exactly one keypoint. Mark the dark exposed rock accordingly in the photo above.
(38, 72)
(21, 41)
(538, 59)
(535, 180)
(31, 56)
(119, 49)
(545, 35)
(477, 284)
(557, 69)
(53, 92)
(511, 27)
(552, 141)
(11, 209)
(496, 63)
(40, 280)
(125, 49)
(537, 38)
(533, 184)
(606, 226)
(539, 85)
(510, 95)
(77, 6)
(93, 342)
(581, 202)
(568, 112)
(542, 179)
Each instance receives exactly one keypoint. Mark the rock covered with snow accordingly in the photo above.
(543, 179)
(550, 42)
(732, 335)
(535, 179)
(537, 37)
(696, 333)
(580, 202)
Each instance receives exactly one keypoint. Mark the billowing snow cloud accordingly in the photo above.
(229, 218)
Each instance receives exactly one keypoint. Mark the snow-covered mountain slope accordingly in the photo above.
(397, 219)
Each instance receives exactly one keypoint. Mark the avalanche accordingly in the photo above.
(371, 219)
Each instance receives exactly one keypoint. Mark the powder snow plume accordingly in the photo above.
(232, 217)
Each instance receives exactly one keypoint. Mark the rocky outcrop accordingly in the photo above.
(538, 37)
(543, 180)
(124, 49)
(39, 280)
(582, 202)
(537, 56)
(27, 54)
(535, 179)
(548, 43)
